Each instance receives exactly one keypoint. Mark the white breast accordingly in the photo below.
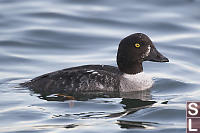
(135, 82)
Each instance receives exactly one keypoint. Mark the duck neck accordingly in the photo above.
(131, 68)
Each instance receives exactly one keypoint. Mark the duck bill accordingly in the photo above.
(155, 56)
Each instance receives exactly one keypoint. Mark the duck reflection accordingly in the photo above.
(134, 101)
(131, 103)
(82, 96)
(131, 106)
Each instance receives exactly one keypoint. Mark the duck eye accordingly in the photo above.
(137, 45)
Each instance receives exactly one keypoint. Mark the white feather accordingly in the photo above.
(135, 82)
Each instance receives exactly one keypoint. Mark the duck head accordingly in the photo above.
(133, 50)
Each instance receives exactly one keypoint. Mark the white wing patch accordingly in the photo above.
(89, 71)
(93, 72)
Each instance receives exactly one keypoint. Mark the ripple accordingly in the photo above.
(37, 37)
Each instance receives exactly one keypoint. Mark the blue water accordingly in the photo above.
(38, 36)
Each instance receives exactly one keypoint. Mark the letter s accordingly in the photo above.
(193, 108)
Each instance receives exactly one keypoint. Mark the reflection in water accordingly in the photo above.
(131, 106)
(42, 36)
(143, 95)
(135, 124)
(69, 126)
(135, 103)
(131, 103)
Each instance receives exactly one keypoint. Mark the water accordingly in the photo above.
(37, 37)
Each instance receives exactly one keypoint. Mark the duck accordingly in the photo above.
(127, 77)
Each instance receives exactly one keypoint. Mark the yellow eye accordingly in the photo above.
(137, 45)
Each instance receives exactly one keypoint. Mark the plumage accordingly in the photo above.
(103, 79)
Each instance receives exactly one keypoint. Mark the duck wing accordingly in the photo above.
(77, 80)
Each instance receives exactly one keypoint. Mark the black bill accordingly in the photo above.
(155, 56)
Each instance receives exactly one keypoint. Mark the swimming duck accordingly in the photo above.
(127, 77)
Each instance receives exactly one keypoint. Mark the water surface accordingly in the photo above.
(37, 37)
